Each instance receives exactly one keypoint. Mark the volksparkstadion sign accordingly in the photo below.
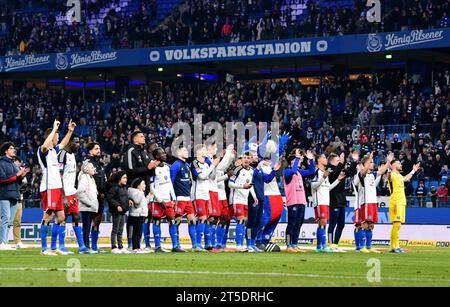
(300, 47)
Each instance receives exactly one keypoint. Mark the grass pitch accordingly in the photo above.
(422, 266)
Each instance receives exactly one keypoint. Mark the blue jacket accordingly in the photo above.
(180, 174)
(9, 185)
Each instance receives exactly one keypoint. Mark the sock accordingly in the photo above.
(369, 238)
(324, 236)
(397, 240)
(157, 234)
(248, 236)
(146, 233)
(207, 235)
(362, 238)
(319, 237)
(220, 233)
(193, 233)
(200, 231)
(357, 243)
(79, 235)
(62, 235)
(395, 236)
(240, 234)
(225, 236)
(254, 233)
(44, 230)
(173, 234)
(178, 235)
(213, 235)
(55, 234)
(94, 238)
(330, 238)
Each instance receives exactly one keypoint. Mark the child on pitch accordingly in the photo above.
(321, 188)
(138, 212)
(119, 203)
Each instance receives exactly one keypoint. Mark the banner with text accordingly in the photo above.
(346, 44)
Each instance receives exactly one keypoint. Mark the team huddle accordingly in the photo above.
(210, 191)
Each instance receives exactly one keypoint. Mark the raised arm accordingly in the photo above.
(408, 177)
(310, 170)
(49, 140)
(289, 172)
(69, 133)
(226, 160)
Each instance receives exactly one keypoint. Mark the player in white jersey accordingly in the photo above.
(51, 184)
(356, 207)
(215, 208)
(221, 176)
(163, 204)
(321, 188)
(201, 169)
(240, 187)
(367, 181)
(68, 169)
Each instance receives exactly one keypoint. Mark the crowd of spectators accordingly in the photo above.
(339, 113)
(203, 21)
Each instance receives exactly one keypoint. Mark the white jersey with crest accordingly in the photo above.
(367, 187)
(201, 182)
(320, 188)
(241, 176)
(48, 161)
(68, 169)
(161, 185)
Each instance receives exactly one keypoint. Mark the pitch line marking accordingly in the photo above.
(273, 274)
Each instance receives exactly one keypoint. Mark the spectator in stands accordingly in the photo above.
(396, 143)
(421, 193)
(442, 195)
(444, 174)
(433, 196)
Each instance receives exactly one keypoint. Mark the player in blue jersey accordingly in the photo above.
(180, 174)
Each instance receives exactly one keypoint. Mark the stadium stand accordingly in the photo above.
(40, 26)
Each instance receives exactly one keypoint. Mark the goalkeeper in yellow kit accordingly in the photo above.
(397, 202)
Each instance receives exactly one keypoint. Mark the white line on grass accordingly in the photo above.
(273, 274)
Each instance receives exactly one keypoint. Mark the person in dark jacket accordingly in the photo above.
(118, 203)
(338, 199)
(100, 181)
(10, 178)
(136, 161)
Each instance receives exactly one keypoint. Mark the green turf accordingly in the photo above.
(419, 267)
